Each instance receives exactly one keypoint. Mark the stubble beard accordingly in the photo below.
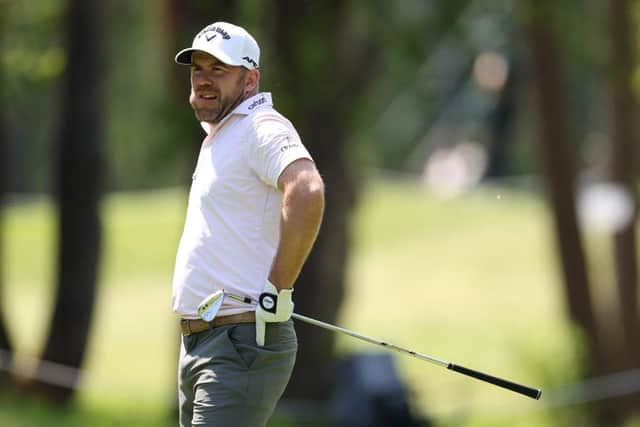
(225, 106)
(215, 115)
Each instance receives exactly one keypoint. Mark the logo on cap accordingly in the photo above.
(251, 61)
(208, 30)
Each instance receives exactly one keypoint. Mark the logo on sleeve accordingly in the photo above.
(288, 146)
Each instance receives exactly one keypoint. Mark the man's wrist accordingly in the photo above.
(279, 287)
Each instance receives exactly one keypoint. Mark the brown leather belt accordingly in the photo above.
(193, 326)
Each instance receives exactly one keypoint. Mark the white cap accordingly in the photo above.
(229, 43)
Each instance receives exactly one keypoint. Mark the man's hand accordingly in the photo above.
(273, 306)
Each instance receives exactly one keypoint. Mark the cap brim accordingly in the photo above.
(184, 56)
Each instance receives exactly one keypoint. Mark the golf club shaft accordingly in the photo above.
(534, 393)
(500, 382)
(369, 339)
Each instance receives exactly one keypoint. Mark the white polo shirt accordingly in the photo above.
(232, 226)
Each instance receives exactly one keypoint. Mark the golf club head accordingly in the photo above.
(208, 308)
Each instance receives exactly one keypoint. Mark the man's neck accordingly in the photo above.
(214, 126)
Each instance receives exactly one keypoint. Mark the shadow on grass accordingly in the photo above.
(18, 410)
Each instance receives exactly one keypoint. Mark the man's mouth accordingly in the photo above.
(208, 97)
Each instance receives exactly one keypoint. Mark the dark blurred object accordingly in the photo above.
(78, 153)
(5, 344)
(369, 393)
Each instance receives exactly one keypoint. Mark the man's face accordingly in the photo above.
(216, 88)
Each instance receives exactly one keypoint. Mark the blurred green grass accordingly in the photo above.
(472, 280)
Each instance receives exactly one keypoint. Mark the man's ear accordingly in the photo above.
(251, 83)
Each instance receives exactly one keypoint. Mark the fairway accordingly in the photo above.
(472, 280)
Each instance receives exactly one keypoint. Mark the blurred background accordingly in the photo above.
(481, 164)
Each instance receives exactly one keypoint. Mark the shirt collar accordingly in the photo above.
(247, 107)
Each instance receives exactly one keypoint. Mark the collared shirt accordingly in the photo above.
(232, 226)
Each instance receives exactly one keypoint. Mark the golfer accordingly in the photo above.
(255, 207)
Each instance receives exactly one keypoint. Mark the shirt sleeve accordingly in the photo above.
(274, 144)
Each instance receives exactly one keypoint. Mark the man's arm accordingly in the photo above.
(302, 209)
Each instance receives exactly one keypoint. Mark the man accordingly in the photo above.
(255, 207)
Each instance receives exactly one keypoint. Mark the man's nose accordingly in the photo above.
(202, 83)
(202, 78)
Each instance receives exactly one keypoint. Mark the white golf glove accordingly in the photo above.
(273, 306)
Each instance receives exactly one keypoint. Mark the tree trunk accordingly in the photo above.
(79, 160)
(5, 344)
(622, 164)
(559, 172)
(623, 155)
(318, 102)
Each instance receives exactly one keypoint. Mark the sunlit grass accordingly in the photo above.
(468, 280)
(472, 280)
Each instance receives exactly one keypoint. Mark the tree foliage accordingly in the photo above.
(32, 59)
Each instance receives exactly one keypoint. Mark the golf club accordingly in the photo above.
(210, 306)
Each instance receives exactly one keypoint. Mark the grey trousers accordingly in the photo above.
(226, 380)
